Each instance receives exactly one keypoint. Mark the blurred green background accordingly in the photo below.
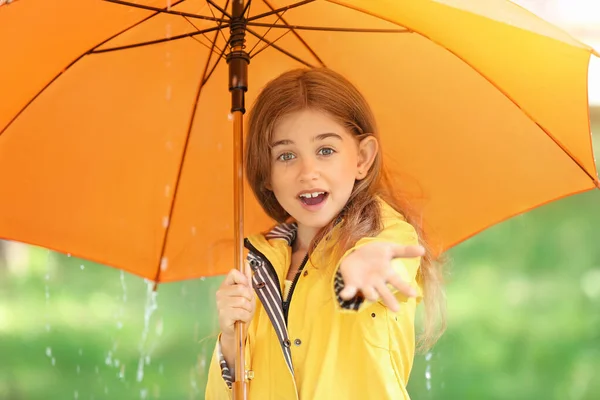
(523, 313)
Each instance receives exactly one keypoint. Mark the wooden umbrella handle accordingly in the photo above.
(238, 60)
(240, 386)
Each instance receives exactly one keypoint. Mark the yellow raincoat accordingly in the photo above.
(330, 348)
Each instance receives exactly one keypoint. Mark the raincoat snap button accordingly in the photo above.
(305, 273)
(373, 315)
(297, 342)
(260, 285)
(287, 343)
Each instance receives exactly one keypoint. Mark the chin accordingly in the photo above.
(315, 221)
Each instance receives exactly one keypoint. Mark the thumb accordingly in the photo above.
(348, 292)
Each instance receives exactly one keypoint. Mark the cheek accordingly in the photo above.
(279, 178)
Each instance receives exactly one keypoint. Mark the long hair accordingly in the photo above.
(321, 89)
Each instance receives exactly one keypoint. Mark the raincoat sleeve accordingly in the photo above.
(220, 376)
(396, 231)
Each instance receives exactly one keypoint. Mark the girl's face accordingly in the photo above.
(314, 164)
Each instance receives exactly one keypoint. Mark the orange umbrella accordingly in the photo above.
(116, 145)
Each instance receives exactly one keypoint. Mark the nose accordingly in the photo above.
(308, 170)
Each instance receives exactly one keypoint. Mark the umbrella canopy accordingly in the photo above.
(116, 144)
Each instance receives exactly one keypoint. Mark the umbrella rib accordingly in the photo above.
(75, 61)
(212, 12)
(201, 84)
(266, 46)
(287, 53)
(212, 3)
(205, 77)
(329, 28)
(198, 40)
(246, 8)
(278, 10)
(280, 16)
(265, 35)
(167, 11)
(156, 41)
(216, 64)
(555, 140)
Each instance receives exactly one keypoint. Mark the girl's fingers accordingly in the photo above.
(238, 314)
(388, 297)
(370, 293)
(348, 292)
(235, 291)
(235, 277)
(402, 251)
(396, 281)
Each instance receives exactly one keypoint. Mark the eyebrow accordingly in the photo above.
(322, 136)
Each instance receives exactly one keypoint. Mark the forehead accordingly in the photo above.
(306, 124)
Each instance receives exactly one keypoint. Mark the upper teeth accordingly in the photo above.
(308, 195)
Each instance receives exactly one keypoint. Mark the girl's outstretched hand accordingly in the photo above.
(369, 269)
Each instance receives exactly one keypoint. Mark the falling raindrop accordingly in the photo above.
(168, 59)
(108, 359)
(53, 361)
(82, 267)
(68, 254)
(230, 117)
(76, 394)
(159, 327)
(168, 30)
(164, 263)
(169, 92)
(123, 286)
(167, 191)
(48, 351)
(80, 352)
(428, 370)
(140, 370)
(161, 369)
(150, 306)
(193, 231)
(165, 222)
(169, 145)
(143, 393)
(78, 369)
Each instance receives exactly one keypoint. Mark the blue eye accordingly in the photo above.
(286, 157)
(326, 151)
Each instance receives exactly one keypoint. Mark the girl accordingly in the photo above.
(336, 304)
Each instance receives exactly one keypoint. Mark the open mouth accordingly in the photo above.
(312, 199)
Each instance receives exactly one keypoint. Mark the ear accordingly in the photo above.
(368, 148)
